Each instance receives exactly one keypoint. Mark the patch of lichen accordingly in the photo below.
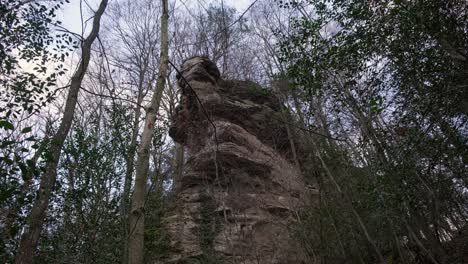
(157, 239)
(258, 90)
(208, 226)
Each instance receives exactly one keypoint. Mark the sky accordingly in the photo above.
(71, 18)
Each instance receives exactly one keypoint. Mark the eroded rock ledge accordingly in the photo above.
(239, 191)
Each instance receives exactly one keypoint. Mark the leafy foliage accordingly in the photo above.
(85, 217)
(390, 77)
(30, 62)
(376, 97)
(30, 55)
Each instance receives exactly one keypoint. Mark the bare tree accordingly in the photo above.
(136, 29)
(137, 213)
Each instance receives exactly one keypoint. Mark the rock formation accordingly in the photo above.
(239, 190)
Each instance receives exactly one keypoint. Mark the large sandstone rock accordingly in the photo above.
(239, 191)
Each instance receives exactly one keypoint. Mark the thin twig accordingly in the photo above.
(112, 97)
(224, 29)
(308, 130)
(63, 29)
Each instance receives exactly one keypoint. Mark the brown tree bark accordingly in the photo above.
(124, 206)
(30, 237)
(137, 212)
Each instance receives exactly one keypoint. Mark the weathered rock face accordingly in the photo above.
(239, 192)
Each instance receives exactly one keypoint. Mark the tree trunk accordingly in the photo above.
(124, 206)
(278, 88)
(137, 213)
(30, 236)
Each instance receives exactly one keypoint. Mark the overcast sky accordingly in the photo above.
(70, 15)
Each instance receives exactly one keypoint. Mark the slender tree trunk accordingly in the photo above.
(30, 236)
(312, 144)
(277, 86)
(124, 206)
(224, 41)
(137, 213)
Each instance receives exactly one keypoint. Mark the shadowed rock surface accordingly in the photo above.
(239, 191)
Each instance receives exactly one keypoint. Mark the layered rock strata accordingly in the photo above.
(239, 191)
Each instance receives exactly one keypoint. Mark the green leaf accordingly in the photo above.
(31, 138)
(26, 130)
(7, 143)
(6, 125)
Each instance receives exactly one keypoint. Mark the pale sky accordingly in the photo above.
(71, 18)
